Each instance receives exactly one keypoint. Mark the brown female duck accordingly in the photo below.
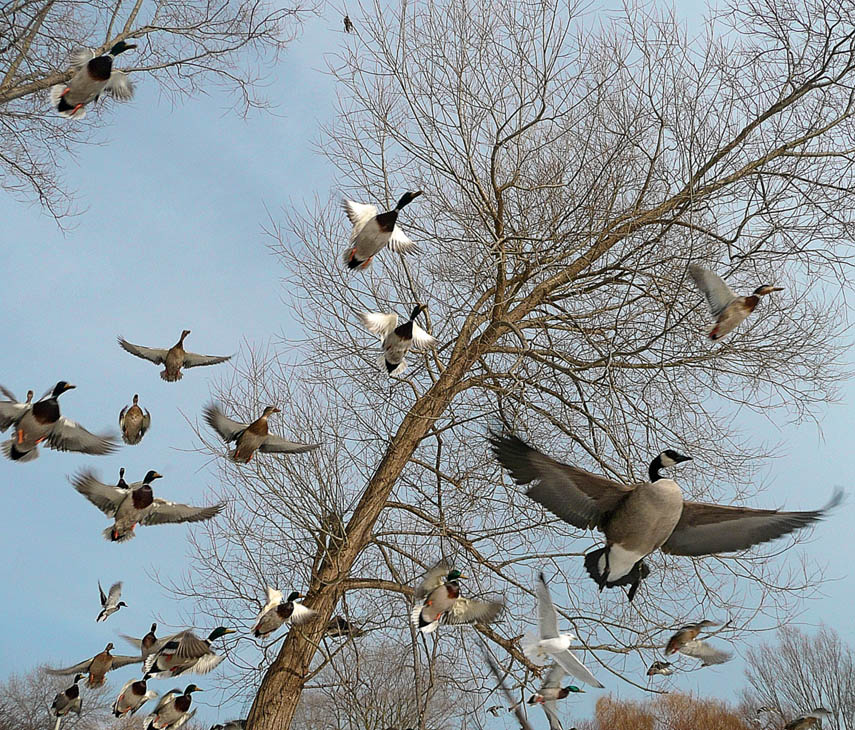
(98, 666)
(173, 359)
(252, 437)
(134, 422)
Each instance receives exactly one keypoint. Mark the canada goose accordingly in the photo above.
(252, 437)
(133, 695)
(277, 611)
(549, 644)
(638, 519)
(811, 719)
(373, 231)
(184, 652)
(98, 666)
(437, 598)
(666, 669)
(728, 309)
(134, 422)
(136, 505)
(94, 75)
(551, 691)
(110, 603)
(172, 711)
(147, 644)
(396, 339)
(172, 359)
(42, 423)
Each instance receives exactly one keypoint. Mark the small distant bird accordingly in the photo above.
(277, 611)
(811, 719)
(184, 652)
(134, 422)
(348, 25)
(373, 231)
(172, 359)
(98, 666)
(728, 309)
(133, 695)
(339, 626)
(664, 668)
(252, 437)
(110, 603)
(172, 711)
(136, 505)
(438, 600)
(551, 691)
(94, 75)
(549, 644)
(495, 710)
(67, 701)
(41, 422)
(147, 644)
(686, 642)
(396, 339)
(640, 518)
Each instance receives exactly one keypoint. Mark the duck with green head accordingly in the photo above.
(173, 710)
(184, 652)
(277, 611)
(373, 231)
(550, 692)
(438, 600)
(93, 75)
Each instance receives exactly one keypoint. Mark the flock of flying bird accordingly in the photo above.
(636, 519)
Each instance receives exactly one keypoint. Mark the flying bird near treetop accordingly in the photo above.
(640, 518)
(373, 231)
(728, 309)
(173, 358)
(396, 339)
(98, 666)
(277, 611)
(438, 600)
(94, 75)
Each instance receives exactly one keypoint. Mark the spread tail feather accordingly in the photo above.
(10, 451)
(168, 378)
(108, 535)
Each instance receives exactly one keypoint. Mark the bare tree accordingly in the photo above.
(184, 47)
(801, 672)
(573, 168)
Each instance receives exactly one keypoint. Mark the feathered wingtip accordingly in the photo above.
(80, 57)
(530, 646)
(836, 500)
(109, 535)
(12, 453)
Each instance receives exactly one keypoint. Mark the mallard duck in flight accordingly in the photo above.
(277, 611)
(98, 666)
(373, 231)
(184, 652)
(110, 603)
(437, 599)
(172, 359)
(396, 339)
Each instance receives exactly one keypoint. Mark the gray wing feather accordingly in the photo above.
(718, 294)
(699, 649)
(547, 618)
(706, 529)
(80, 57)
(120, 86)
(550, 708)
(574, 667)
(115, 593)
(162, 512)
(432, 580)
(152, 354)
(193, 360)
(469, 611)
(122, 661)
(66, 435)
(80, 668)
(105, 497)
(278, 445)
(228, 429)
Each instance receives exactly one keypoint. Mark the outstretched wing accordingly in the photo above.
(470, 611)
(421, 339)
(228, 429)
(115, 593)
(551, 709)
(105, 497)
(11, 411)
(193, 360)
(400, 243)
(67, 435)
(358, 213)
(80, 668)
(378, 323)
(120, 86)
(572, 494)
(123, 661)
(162, 512)
(547, 618)
(699, 649)
(718, 294)
(570, 664)
(152, 354)
(277, 445)
(706, 529)
(432, 580)
(80, 57)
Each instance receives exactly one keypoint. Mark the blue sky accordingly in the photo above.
(175, 198)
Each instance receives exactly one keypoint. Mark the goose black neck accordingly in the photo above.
(416, 311)
(653, 471)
